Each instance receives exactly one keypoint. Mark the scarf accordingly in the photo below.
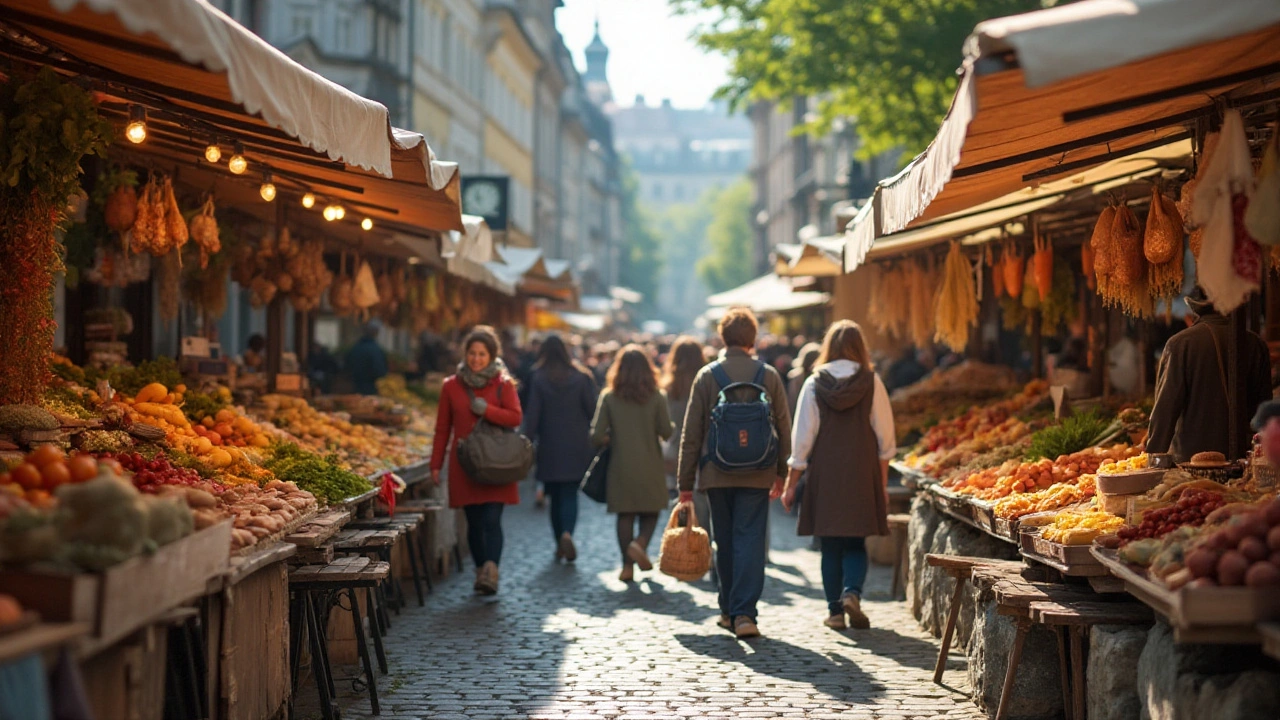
(477, 380)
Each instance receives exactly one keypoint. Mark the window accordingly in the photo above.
(301, 23)
(344, 33)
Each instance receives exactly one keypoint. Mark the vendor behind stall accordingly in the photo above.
(367, 361)
(1191, 412)
(254, 358)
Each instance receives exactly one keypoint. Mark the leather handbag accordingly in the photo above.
(595, 484)
(495, 455)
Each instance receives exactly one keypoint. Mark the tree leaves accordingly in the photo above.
(730, 257)
(891, 64)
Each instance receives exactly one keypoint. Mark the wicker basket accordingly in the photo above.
(686, 551)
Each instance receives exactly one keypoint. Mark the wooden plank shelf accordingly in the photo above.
(319, 529)
(38, 638)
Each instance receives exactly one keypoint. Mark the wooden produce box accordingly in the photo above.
(123, 598)
(1211, 614)
(1070, 560)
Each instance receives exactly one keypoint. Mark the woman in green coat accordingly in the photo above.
(632, 418)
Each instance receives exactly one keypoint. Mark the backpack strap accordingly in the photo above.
(722, 377)
(759, 380)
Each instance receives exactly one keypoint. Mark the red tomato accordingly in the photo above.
(55, 474)
(83, 467)
(44, 455)
(27, 476)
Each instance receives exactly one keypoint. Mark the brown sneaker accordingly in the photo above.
(744, 627)
(479, 584)
(488, 582)
(836, 622)
(639, 556)
(567, 549)
(628, 574)
(853, 608)
(725, 622)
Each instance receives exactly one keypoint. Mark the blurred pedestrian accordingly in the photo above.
(844, 439)
(801, 369)
(684, 361)
(366, 360)
(739, 498)
(632, 419)
(481, 388)
(562, 398)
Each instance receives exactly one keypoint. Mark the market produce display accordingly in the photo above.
(978, 418)
(366, 449)
(947, 393)
(1081, 528)
(1058, 495)
(1020, 477)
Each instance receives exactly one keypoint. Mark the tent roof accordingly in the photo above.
(202, 75)
(768, 293)
(1055, 91)
(813, 257)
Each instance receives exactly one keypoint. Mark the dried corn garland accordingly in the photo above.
(887, 308)
(922, 293)
(957, 301)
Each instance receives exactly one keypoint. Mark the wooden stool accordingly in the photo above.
(961, 568)
(409, 524)
(1074, 619)
(1014, 597)
(315, 589)
(898, 531)
(377, 543)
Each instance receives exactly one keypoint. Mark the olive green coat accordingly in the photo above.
(636, 480)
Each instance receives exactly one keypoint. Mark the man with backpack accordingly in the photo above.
(735, 444)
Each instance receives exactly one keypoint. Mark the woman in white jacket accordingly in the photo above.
(843, 435)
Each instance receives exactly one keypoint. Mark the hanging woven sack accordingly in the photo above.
(1162, 238)
(1262, 217)
(686, 551)
(364, 294)
(1126, 239)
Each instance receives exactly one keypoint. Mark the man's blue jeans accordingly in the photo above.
(738, 517)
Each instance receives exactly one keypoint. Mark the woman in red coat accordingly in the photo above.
(492, 396)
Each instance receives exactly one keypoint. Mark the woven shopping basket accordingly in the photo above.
(686, 551)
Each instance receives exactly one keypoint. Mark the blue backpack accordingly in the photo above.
(741, 437)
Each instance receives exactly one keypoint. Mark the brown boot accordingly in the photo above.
(568, 550)
(853, 608)
(835, 622)
(488, 582)
(744, 627)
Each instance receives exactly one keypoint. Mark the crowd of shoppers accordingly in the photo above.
(665, 437)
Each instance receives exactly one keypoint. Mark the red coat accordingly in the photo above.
(455, 421)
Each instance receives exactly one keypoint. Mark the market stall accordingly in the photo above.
(1071, 199)
(150, 508)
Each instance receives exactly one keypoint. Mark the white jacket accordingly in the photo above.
(805, 429)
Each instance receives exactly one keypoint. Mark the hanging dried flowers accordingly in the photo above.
(46, 127)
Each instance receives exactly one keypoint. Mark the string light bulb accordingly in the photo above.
(237, 164)
(212, 152)
(308, 201)
(331, 212)
(366, 224)
(268, 189)
(136, 130)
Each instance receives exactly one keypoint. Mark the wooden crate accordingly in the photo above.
(127, 679)
(1071, 560)
(56, 597)
(142, 589)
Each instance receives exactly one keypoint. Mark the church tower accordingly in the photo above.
(596, 77)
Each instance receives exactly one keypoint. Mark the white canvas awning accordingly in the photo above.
(766, 294)
(203, 75)
(1056, 91)
(813, 257)
(533, 274)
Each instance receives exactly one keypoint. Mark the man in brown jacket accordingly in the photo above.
(739, 500)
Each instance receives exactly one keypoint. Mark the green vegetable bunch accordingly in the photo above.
(1071, 435)
(322, 476)
(199, 405)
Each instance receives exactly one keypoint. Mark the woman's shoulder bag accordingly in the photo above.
(492, 454)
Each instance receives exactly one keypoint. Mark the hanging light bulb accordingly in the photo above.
(212, 152)
(237, 164)
(136, 130)
(366, 224)
(331, 212)
(308, 201)
(339, 212)
(268, 189)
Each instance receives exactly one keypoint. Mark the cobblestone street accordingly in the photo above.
(571, 641)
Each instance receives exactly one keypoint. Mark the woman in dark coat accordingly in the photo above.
(562, 399)
(843, 436)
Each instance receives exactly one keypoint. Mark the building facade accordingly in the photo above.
(493, 88)
(678, 154)
(801, 181)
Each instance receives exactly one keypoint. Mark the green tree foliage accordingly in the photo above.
(730, 257)
(640, 260)
(891, 64)
(683, 229)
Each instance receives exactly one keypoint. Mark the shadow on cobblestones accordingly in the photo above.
(832, 675)
(570, 642)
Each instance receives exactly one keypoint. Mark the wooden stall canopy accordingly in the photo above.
(766, 294)
(204, 77)
(813, 257)
(1057, 91)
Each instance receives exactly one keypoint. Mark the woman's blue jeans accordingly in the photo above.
(564, 506)
(844, 569)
